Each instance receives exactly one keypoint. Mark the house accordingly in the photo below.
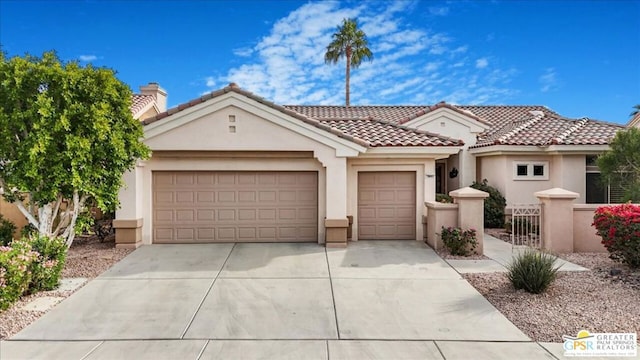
(232, 166)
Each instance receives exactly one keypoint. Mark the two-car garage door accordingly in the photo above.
(228, 206)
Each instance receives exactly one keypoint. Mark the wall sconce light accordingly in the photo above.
(430, 175)
(453, 173)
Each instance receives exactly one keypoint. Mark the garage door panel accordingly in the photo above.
(163, 234)
(286, 195)
(163, 215)
(235, 206)
(247, 196)
(406, 214)
(226, 234)
(386, 205)
(267, 233)
(185, 234)
(246, 214)
(407, 230)
(185, 215)
(206, 234)
(204, 179)
(163, 179)
(163, 197)
(247, 233)
(185, 179)
(206, 196)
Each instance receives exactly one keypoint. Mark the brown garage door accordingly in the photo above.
(387, 205)
(234, 206)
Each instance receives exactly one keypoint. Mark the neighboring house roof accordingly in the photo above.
(547, 128)
(398, 114)
(510, 124)
(140, 103)
(364, 131)
(635, 120)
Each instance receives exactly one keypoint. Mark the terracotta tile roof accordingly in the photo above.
(380, 126)
(366, 131)
(139, 102)
(540, 129)
(379, 133)
(398, 114)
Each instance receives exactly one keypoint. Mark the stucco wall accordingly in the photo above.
(10, 212)
(565, 171)
(584, 235)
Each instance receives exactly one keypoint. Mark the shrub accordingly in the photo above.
(532, 271)
(458, 241)
(47, 267)
(15, 271)
(443, 198)
(619, 227)
(493, 205)
(6, 231)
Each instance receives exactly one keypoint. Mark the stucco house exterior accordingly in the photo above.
(232, 166)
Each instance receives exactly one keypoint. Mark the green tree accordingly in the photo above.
(66, 135)
(620, 165)
(636, 110)
(350, 43)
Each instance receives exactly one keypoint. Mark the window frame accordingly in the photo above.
(531, 165)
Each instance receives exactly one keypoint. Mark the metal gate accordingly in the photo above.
(525, 225)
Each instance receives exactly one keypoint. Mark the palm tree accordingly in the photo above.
(351, 43)
(636, 110)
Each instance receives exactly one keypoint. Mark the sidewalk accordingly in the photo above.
(500, 254)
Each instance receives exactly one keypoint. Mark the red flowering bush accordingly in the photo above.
(619, 227)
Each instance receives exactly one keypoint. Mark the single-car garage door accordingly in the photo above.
(387, 205)
(225, 206)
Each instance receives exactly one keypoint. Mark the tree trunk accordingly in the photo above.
(347, 75)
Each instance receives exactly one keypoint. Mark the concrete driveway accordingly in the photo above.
(372, 300)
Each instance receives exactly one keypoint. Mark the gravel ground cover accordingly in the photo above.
(594, 300)
(87, 258)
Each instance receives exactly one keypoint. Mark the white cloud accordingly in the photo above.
(87, 58)
(243, 52)
(412, 64)
(482, 63)
(439, 10)
(548, 80)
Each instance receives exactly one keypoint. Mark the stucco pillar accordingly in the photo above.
(336, 223)
(430, 180)
(471, 212)
(557, 219)
(128, 223)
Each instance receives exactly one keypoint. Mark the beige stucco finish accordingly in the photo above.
(557, 219)
(584, 234)
(567, 171)
(234, 133)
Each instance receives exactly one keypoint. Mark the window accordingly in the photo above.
(530, 170)
(599, 192)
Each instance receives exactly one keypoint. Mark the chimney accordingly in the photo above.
(158, 93)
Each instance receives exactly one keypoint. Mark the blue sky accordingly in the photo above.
(579, 58)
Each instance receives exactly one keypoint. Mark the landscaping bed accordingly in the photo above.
(87, 258)
(591, 300)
